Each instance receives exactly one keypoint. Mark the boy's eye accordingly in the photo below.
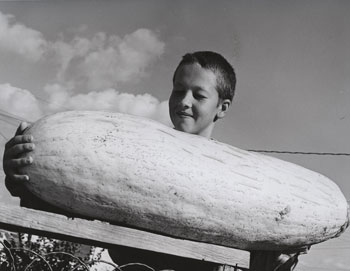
(199, 96)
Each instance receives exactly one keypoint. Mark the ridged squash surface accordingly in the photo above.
(140, 173)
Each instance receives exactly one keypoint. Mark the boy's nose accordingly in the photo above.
(187, 99)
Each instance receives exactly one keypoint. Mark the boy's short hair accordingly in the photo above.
(225, 74)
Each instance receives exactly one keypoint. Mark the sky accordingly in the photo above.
(291, 59)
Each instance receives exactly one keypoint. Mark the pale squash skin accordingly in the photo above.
(140, 173)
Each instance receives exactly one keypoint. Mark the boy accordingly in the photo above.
(203, 89)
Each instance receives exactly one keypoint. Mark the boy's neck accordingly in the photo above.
(207, 132)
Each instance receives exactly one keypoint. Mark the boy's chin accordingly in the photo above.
(185, 128)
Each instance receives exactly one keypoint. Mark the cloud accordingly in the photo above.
(65, 52)
(23, 105)
(22, 40)
(19, 102)
(99, 62)
(145, 105)
(105, 61)
(95, 65)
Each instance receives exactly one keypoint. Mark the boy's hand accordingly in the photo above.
(14, 149)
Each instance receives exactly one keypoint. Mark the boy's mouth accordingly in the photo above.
(183, 114)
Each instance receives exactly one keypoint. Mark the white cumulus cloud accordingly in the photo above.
(105, 61)
(20, 39)
(145, 105)
(19, 102)
(23, 105)
(96, 62)
(93, 63)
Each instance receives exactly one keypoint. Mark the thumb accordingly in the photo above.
(21, 128)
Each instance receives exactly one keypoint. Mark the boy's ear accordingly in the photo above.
(223, 108)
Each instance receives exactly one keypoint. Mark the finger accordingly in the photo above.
(17, 178)
(10, 166)
(18, 149)
(19, 131)
(16, 181)
(21, 128)
(18, 140)
(23, 139)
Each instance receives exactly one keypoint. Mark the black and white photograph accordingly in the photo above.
(158, 135)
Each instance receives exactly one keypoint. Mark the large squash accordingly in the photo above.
(137, 172)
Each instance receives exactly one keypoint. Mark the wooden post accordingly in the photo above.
(106, 235)
(97, 233)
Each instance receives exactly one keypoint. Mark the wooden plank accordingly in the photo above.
(103, 234)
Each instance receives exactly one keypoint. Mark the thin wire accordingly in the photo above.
(71, 255)
(9, 115)
(136, 264)
(4, 136)
(8, 249)
(36, 254)
(8, 122)
(303, 153)
(43, 100)
(12, 116)
(331, 248)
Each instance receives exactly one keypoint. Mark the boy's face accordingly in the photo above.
(194, 101)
